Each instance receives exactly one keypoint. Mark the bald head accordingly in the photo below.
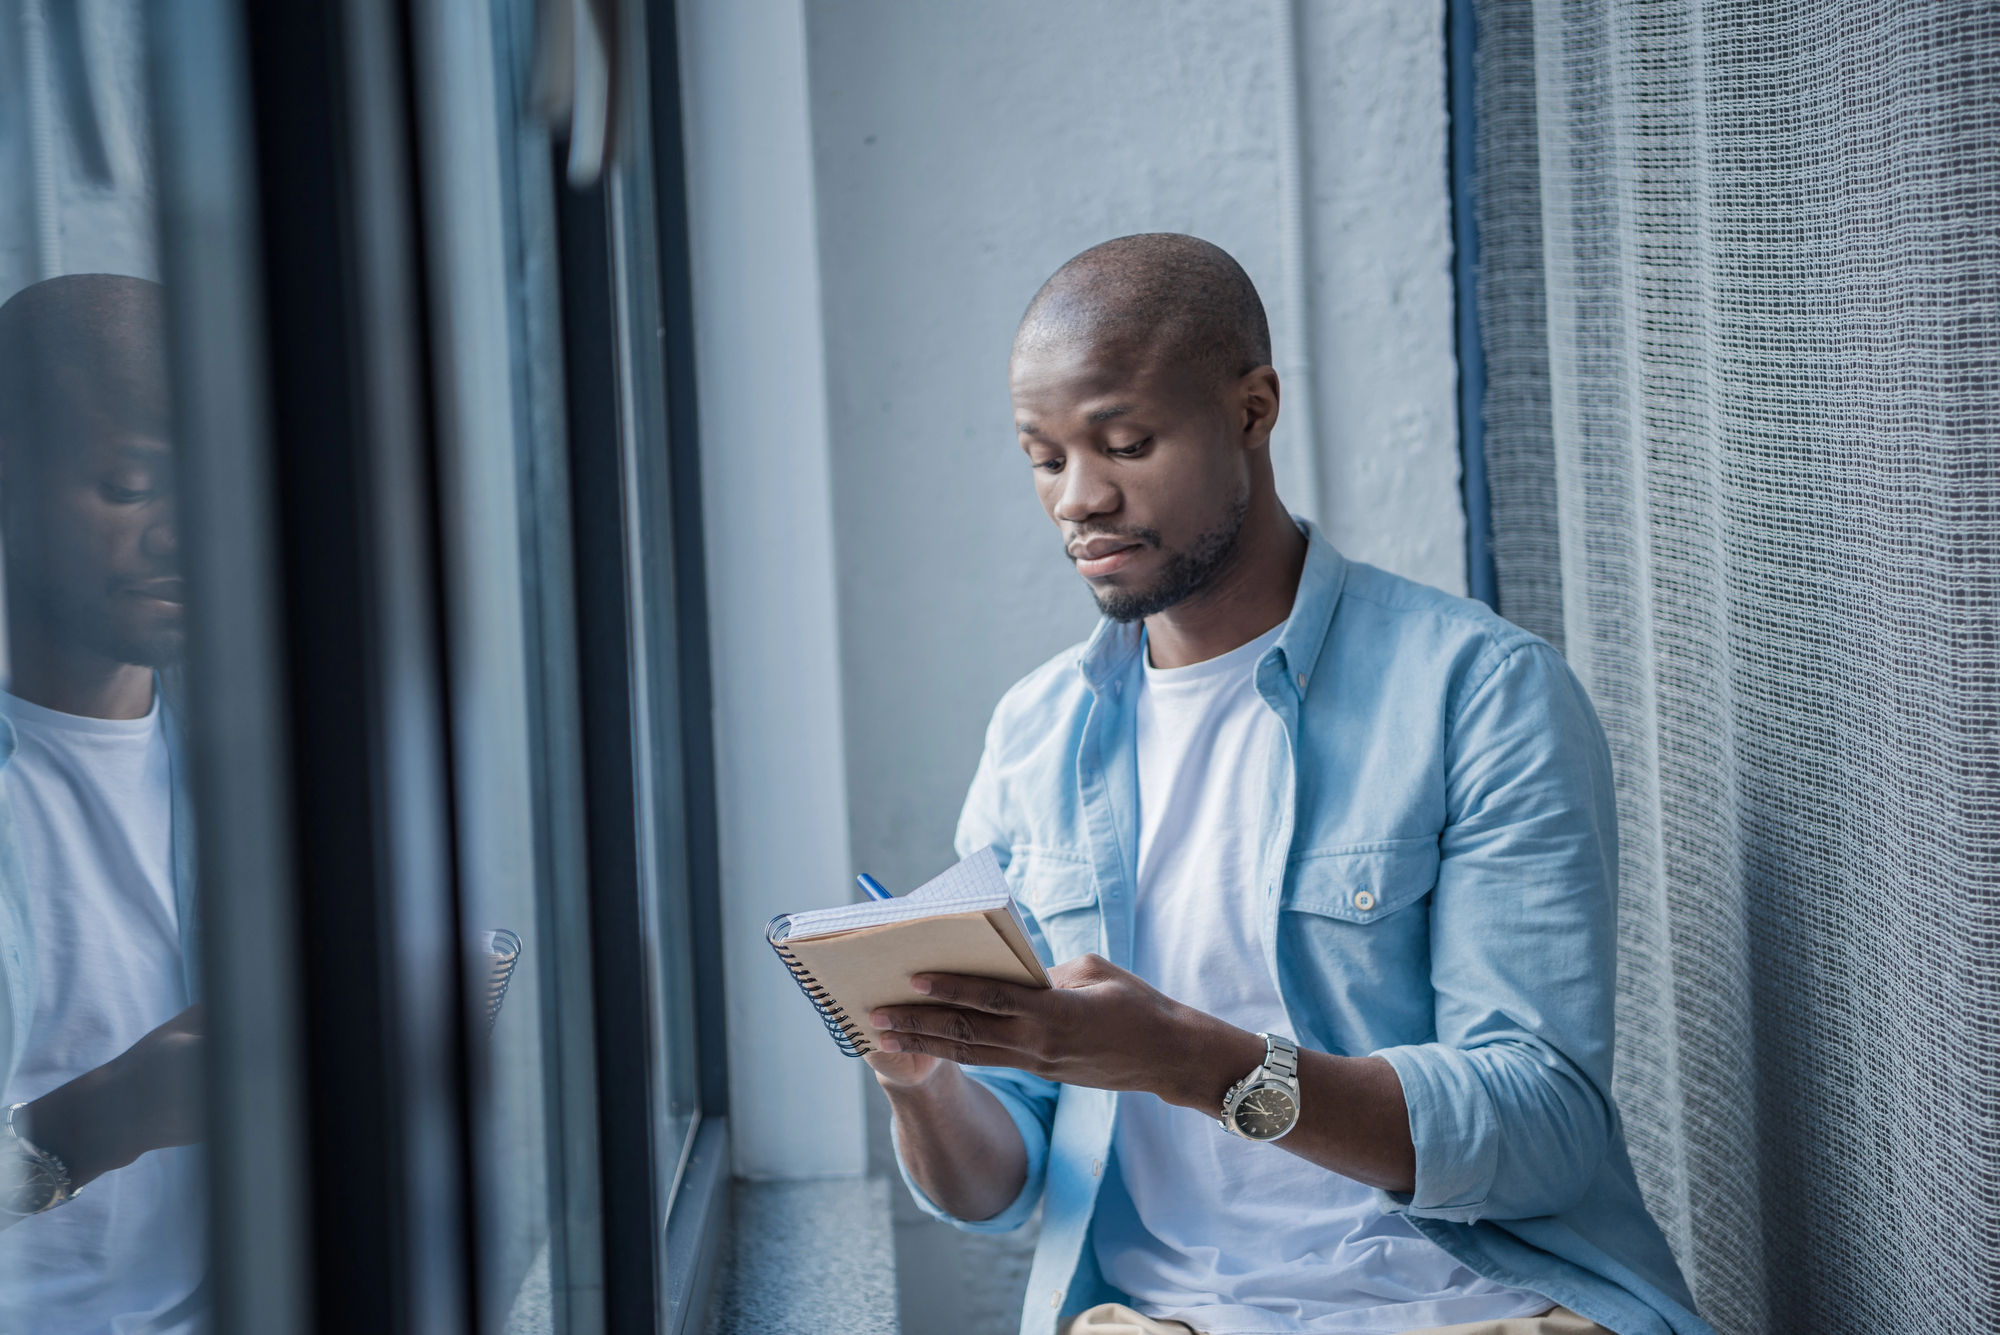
(1159, 296)
(80, 354)
(87, 491)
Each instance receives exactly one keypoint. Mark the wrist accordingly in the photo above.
(927, 1088)
(65, 1122)
(1218, 1054)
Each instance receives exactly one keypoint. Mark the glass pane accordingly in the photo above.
(656, 688)
(490, 198)
(487, 243)
(102, 1221)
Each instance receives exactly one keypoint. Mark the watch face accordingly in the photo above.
(1266, 1113)
(33, 1190)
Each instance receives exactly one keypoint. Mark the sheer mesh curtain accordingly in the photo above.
(1770, 257)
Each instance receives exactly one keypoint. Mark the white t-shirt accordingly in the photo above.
(93, 813)
(1222, 1233)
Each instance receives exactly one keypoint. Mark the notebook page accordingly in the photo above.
(974, 884)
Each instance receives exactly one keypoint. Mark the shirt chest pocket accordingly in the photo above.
(1354, 944)
(1060, 896)
(1365, 883)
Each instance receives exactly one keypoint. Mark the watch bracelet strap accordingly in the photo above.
(43, 1161)
(1281, 1056)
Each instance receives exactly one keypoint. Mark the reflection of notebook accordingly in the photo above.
(502, 950)
(851, 959)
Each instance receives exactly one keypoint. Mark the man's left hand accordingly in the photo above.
(1099, 1026)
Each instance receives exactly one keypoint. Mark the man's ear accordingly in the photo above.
(1257, 395)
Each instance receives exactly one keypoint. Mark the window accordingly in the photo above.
(356, 845)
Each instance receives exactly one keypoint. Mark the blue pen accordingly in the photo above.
(874, 887)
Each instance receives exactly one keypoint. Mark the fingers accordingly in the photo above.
(981, 994)
(952, 1024)
(953, 1050)
(901, 1069)
(1083, 971)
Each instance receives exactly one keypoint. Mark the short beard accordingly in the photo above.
(160, 647)
(1186, 573)
(160, 651)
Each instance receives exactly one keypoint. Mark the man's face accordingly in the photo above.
(1142, 465)
(92, 546)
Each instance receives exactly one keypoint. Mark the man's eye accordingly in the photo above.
(1050, 465)
(1132, 451)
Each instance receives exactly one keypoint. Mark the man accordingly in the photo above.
(1326, 855)
(99, 1045)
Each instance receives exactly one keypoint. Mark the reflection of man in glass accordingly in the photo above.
(99, 1046)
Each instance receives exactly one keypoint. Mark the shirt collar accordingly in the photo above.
(1111, 649)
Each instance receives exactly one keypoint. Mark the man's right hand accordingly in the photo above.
(148, 1097)
(903, 1070)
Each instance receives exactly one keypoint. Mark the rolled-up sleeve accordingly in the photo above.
(1510, 1108)
(1031, 1102)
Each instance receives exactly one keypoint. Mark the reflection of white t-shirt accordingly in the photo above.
(93, 815)
(1224, 1234)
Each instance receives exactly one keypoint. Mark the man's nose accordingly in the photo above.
(162, 538)
(1085, 494)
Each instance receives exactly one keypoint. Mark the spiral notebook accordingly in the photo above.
(851, 959)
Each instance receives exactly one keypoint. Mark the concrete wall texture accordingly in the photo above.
(958, 154)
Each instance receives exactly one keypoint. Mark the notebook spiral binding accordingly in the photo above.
(849, 1035)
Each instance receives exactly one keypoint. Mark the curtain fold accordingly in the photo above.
(1770, 261)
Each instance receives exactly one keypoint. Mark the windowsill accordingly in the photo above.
(817, 1256)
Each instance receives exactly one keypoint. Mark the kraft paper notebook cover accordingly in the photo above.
(851, 959)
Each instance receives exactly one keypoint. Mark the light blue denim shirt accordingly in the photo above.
(1440, 882)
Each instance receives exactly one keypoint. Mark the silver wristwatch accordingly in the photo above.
(34, 1180)
(1264, 1104)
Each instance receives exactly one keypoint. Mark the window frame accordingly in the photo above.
(342, 1188)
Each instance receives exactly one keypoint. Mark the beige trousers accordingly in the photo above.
(1118, 1319)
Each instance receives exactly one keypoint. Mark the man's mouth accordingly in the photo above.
(171, 592)
(1098, 557)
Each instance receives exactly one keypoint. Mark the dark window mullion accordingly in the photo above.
(346, 351)
(611, 816)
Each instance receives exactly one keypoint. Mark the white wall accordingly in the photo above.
(1379, 214)
(795, 1102)
(855, 310)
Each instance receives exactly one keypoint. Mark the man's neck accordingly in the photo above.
(1247, 597)
(66, 677)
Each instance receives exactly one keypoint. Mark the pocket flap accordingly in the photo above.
(1047, 883)
(1365, 882)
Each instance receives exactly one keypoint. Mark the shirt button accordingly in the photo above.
(1363, 900)
(1302, 681)
(1097, 1167)
(1055, 1299)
